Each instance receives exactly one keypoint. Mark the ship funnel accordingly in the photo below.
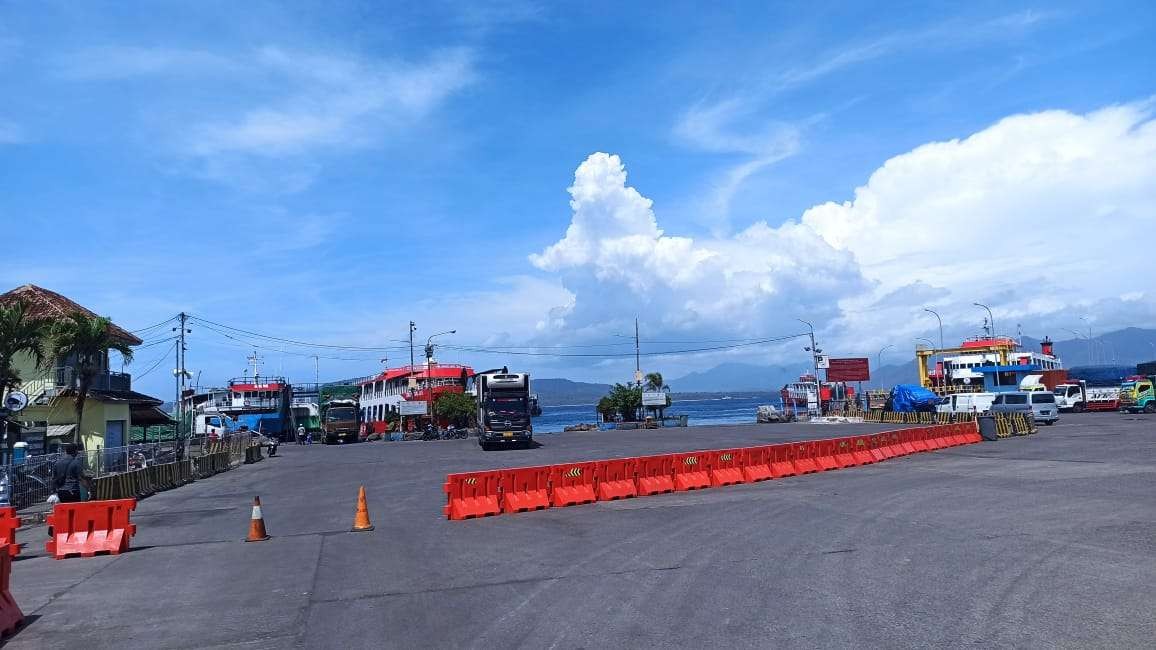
(1046, 346)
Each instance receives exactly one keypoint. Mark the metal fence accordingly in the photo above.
(31, 481)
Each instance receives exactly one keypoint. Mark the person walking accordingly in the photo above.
(68, 474)
(300, 434)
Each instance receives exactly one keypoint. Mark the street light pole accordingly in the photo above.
(1091, 350)
(815, 358)
(879, 359)
(936, 314)
(990, 317)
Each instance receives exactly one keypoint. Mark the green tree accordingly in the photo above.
(623, 400)
(85, 341)
(20, 332)
(458, 408)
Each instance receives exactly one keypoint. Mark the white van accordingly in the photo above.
(967, 403)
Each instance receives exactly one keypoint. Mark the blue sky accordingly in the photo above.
(327, 172)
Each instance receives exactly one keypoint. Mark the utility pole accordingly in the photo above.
(814, 350)
(637, 356)
(317, 372)
(181, 373)
(412, 329)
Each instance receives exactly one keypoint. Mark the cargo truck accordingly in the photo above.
(503, 408)
(1136, 394)
(1078, 397)
(340, 421)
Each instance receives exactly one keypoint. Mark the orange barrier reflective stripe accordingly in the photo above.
(525, 488)
(691, 471)
(472, 494)
(655, 474)
(90, 527)
(572, 484)
(615, 479)
(726, 467)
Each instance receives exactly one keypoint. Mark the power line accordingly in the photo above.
(150, 327)
(610, 355)
(296, 342)
(249, 344)
(158, 362)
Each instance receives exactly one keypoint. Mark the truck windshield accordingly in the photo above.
(515, 405)
(340, 414)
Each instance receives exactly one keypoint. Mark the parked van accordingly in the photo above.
(966, 403)
(1041, 405)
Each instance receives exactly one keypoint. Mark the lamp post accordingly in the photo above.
(990, 317)
(1091, 350)
(932, 311)
(1078, 337)
(930, 343)
(814, 358)
(429, 347)
(879, 359)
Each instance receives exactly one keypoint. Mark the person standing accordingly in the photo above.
(68, 474)
(300, 434)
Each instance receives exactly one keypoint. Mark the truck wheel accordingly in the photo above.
(1150, 407)
(1079, 407)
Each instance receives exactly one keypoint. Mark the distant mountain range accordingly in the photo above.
(1121, 347)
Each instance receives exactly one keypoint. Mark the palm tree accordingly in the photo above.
(655, 383)
(86, 340)
(19, 332)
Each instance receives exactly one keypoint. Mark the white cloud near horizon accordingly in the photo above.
(1042, 216)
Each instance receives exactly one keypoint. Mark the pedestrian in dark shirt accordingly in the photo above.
(68, 474)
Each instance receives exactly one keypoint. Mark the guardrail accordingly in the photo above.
(30, 482)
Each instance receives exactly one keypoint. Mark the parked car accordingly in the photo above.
(1040, 405)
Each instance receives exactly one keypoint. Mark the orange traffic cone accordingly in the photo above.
(257, 524)
(361, 519)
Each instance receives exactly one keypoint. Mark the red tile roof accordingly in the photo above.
(43, 303)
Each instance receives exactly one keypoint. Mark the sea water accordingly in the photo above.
(711, 410)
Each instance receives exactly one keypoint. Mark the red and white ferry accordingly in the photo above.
(383, 395)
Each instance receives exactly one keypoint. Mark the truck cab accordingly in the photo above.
(213, 426)
(503, 409)
(341, 421)
(1136, 395)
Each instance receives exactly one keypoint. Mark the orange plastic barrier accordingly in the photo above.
(825, 455)
(969, 431)
(472, 494)
(90, 527)
(726, 467)
(11, 617)
(572, 484)
(9, 522)
(843, 454)
(886, 446)
(918, 440)
(933, 437)
(655, 474)
(525, 488)
(860, 450)
(615, 479)
(781, 464)
(802, 455)
(905, 441)
(757, 464)
(875, 445)
(691, 471)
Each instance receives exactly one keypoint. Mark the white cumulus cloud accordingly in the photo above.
(1045, 217)
(616, 261)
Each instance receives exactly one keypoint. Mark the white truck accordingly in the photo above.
(213, 425)
(503, 408)
(1079, 397)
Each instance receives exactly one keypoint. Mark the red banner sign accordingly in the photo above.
(856, 369)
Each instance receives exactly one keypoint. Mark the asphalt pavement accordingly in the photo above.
(1045, 540)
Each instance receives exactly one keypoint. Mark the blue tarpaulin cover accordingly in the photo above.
(909, 398)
